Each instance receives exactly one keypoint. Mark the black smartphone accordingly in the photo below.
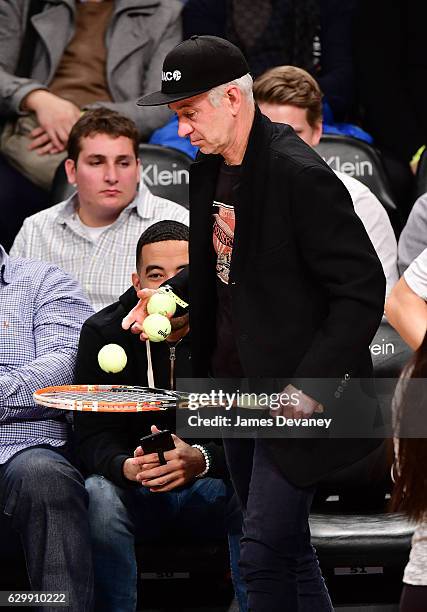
(155, 442)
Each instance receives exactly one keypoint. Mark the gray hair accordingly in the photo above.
(244, 83)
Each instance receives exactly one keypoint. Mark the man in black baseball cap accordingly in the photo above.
(195, 66)
(271, 221)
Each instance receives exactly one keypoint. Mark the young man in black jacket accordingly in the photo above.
(182, 496)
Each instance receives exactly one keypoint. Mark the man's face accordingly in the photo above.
(295, 117)
(210, 128)
(106, 175)
(160, 261)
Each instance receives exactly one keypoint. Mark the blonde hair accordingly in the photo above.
(293, 86)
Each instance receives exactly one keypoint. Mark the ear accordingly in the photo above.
(234, 97)
(135, 281)
(70, 169)
(317, 134)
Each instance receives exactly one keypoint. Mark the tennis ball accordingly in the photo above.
(161, 303)
(157, 327)
(112, 358)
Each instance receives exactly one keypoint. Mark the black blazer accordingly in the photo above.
(298, 245)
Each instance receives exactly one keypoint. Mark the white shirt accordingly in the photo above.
(91, 232)
(377, 225)
(102, 267)
(416, 275)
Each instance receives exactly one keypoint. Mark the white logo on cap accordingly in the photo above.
(171, 76)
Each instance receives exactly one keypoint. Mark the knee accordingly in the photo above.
(258, 559)
(106, 507)
(47, 477)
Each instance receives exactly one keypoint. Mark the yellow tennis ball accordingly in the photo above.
(157, 327)
(161, 303)
(112, 358)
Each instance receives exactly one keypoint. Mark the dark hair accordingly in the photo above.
(410, 490)
(159, 232)
(101, 121)
(293, 86)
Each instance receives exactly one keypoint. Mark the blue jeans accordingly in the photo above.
(120, 516)
(45, 498)
(277, 560)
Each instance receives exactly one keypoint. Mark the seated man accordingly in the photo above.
(287, 94)
(92, 234)
(406, 307)
(131, 494)
(71, 55)
(41, 492)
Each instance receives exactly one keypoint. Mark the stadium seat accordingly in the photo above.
(351, 529)
(360, 540)
(363, 162)
(421, 176)
(165, 171)
(182, 556)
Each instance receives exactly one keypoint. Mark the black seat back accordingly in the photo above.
(165, 171)
(363, 162)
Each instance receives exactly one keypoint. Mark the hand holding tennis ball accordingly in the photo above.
(112, 358)
(157, 327)
(161, 303)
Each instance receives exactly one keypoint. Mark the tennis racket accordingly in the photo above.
(108, 398)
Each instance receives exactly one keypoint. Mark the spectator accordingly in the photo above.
(187, 495)
(282, 227)
(92, 235)
(41, 491)
(83, 54)
(316, 35)
(287, 94)
(410, 490)
(406, 307)
(413, 239)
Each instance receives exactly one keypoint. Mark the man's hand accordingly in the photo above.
(136, 316)
(296, 404)
(184, 463)
(55, 117)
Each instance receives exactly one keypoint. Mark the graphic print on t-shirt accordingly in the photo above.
(223, 235)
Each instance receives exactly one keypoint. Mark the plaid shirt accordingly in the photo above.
(41, 312)
(103, 268)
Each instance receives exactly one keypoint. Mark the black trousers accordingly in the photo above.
(278, 562)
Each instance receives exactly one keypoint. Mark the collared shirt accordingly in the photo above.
(102, 267)
(42, 310)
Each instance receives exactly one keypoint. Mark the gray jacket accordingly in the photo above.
(140, 34)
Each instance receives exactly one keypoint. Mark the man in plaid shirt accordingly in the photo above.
(41, 312)
(93, 234)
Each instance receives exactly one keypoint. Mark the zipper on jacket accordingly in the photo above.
(172, 359)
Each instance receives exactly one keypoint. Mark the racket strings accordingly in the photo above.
(106, 398)
(119, 397)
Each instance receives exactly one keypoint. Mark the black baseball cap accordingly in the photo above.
(197, 65)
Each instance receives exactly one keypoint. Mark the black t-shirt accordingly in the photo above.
(225, 359)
